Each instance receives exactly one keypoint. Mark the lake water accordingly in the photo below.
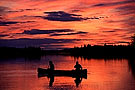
(21, 74)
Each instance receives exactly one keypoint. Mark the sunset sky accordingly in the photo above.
(56, 24)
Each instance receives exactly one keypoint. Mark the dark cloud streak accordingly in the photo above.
(21, 10)
(75, 33)
(23, 42)
(125, 10)
(37, 31)
(63, 16)
(114, 3)
(110, 31)
(7, 23)
(3, 10)
(1, 35)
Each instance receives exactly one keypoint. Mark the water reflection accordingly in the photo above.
(77, 79)
(51, 77)
(103, 74)
(131, 63)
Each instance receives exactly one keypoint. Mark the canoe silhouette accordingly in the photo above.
(70, 73)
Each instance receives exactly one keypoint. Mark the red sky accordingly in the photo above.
(55, 24)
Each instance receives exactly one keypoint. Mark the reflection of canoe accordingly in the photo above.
(70, 73)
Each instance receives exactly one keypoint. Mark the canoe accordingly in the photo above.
(69, 73)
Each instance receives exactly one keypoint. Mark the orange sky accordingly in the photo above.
(65, 23)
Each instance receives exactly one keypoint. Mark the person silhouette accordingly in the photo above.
(51, 66)
(78, 67)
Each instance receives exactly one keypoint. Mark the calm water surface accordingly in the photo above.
(21, 74)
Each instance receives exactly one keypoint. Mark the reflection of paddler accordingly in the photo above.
(51, 80)
(50, 75)
(78, 81)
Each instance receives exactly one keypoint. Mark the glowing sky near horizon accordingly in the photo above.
(55, 24)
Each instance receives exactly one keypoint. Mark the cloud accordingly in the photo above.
(28, 22)
(75, 10)
(125, 10)
(110, 31)
(6, 23)
(80, 32)
(22, 10)
(23, 42)
(1, 35)
(55, 32)
(99, 5)
(114, 3)
(128, 22)
(11, 11)
(3, 10)
(53, 46)
(123, 42)
(37, 31)
(62, 16)
(128, 11)
(28, 9)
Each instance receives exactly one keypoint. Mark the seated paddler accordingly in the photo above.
(78, 66)
(51, 66)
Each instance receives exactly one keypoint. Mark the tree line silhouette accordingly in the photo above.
(106, 51)
(28, 52)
